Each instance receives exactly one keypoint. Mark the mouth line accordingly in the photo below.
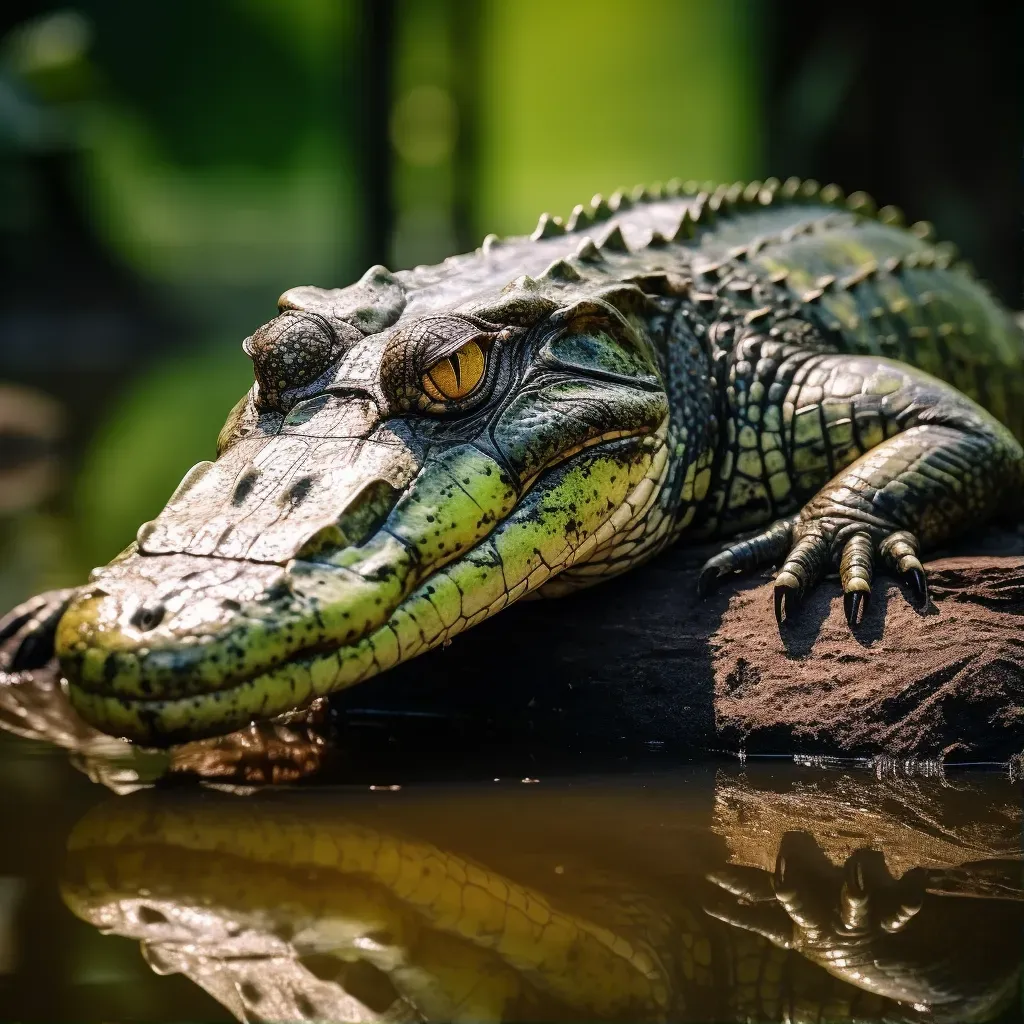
(295, 682)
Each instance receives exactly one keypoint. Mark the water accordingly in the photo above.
(504, 889)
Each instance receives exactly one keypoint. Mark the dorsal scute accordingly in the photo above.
(713, 200)
(678, 222)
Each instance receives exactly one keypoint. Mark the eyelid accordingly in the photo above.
(430, 355)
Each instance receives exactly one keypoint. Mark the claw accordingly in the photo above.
(916, 580)
(855, 602)
(787, 594)
(708, 580)
(779, 875)
(901, 552)
(786, 599)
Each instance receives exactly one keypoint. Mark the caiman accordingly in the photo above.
(773, 363)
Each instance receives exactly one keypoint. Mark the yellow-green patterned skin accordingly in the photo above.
(422, 449)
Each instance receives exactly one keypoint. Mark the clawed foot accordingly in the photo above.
(26, 633)
(809, 548)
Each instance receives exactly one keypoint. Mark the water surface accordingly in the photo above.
(768, 891)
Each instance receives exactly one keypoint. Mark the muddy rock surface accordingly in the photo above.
(641, 658)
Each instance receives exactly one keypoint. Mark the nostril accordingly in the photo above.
(147, 617)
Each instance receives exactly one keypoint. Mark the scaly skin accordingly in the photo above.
(424, 448)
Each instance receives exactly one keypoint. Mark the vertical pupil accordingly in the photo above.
(456, 375)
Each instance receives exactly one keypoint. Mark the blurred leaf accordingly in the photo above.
(587, 95)
(218, 83)
(166, 422)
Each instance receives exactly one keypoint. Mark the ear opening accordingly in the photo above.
(592, 336)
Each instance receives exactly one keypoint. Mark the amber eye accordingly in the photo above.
(456, 375)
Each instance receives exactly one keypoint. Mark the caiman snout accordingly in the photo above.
(168, 645)
(168, 625)
(270, 553)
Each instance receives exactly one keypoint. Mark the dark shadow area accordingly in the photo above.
(630, 667)
(921, 110)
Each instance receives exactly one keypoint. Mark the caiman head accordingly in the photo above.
(408, 462)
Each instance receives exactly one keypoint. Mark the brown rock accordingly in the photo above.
(947, 683)
(641, 659)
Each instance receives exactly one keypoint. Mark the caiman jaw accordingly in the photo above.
(170, 647)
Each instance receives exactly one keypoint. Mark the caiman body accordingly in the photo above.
(424, 448)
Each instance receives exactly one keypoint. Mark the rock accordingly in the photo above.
(641, 659)
(946, 684)
(924, 818)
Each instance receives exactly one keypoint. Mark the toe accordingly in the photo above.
(802, 569)
(856, 569)
(902, 554)
(765, 548)
(865, 878)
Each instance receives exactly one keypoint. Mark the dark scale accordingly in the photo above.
(693, 429)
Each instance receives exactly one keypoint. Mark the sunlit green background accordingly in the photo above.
(217, 165)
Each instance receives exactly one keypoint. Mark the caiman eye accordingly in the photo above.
(456, 376)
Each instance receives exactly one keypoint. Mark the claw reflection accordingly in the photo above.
(606, 900)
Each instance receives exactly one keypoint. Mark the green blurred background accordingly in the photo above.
(168, 168)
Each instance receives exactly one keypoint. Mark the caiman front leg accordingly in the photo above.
(923, 463)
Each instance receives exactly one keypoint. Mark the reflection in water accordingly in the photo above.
(33, 705)
(771, 893)
(789, 894)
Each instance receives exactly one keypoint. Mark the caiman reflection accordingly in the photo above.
(601, 900)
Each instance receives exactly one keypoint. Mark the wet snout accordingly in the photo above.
(274, 575)
(170, 624)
